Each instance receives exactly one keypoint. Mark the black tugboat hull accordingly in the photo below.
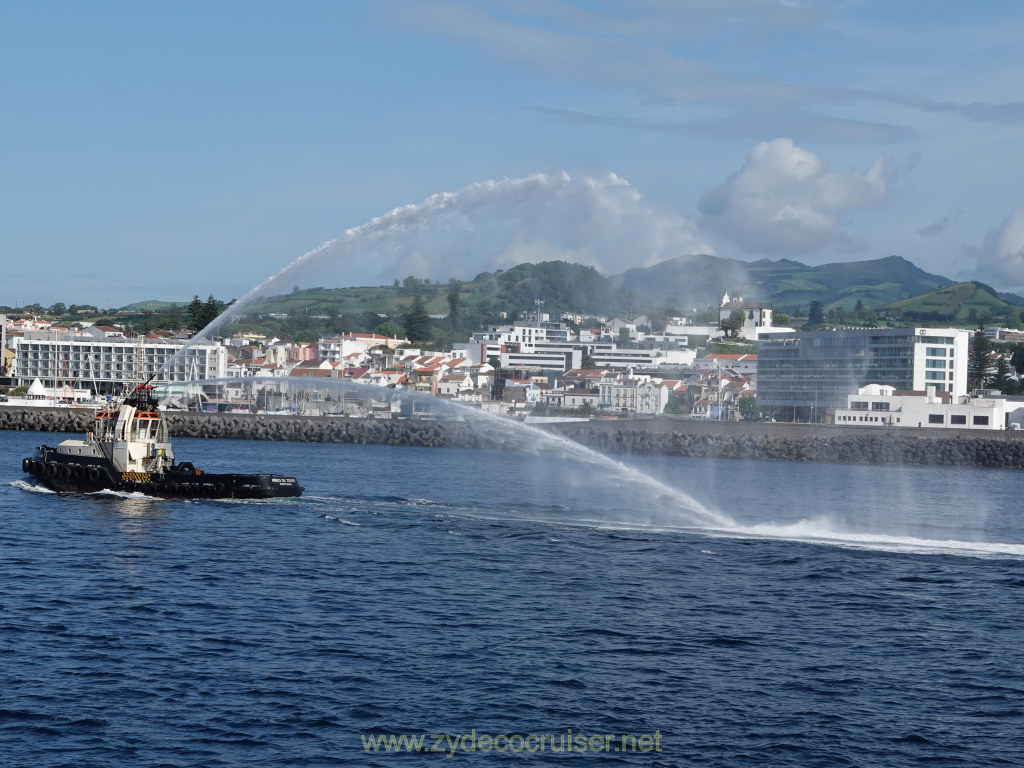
(84, 475)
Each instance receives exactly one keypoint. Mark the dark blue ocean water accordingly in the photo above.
(849, 616)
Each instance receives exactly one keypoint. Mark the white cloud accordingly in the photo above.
(1001, 259)
(785, 202)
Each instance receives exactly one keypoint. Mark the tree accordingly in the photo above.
(748, 408)
(389, 328)
(734, 323)
(195, 314)
(454, 300)
(977, 360)
(173, 320)
(58, 309)
(211, 309)
(816, 314)
(417, 321)
(1017, 358)
(839, 316)
(1002, 380)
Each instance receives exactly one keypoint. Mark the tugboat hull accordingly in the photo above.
(129, 450)
(85, 475)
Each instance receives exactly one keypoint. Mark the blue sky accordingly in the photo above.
(162, 150)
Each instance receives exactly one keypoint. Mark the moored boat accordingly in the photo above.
(129, 450)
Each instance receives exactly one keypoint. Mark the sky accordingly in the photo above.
(164, 150)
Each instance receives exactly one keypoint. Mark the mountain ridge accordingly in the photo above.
(787, 284)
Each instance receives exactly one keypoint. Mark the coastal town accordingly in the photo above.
(544, 369)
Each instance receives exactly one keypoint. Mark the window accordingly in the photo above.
(935, 418)
(935, 375)
(957, 419)
(858, 405)
(935, 351)
(981, 421)
(879, 406)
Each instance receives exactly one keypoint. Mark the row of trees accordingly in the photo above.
(859, 315)
(58, 309)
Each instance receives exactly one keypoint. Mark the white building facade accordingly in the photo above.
(881, 406)
(632, 396)
(106, 364)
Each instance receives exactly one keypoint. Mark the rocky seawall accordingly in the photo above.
(658, 437)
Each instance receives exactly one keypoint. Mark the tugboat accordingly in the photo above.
(129, 450)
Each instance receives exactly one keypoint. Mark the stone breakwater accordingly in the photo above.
(659, 437)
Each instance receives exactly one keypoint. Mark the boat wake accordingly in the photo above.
(825, 532)
(23, 485)
(124, 494)
(811, 531)
(341, 520)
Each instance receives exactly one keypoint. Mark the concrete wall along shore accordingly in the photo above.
(656, 437)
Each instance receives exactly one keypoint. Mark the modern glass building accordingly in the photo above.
(819, 369)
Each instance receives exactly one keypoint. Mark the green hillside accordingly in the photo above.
(962, 303)
(788, 285)
(558, 285)
(891, 289)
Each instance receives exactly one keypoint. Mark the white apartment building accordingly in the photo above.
(1011, 335)
(611, 356)
(638, 395)
(548, 360)
(548, 345)
(339, 349)
(106, 364)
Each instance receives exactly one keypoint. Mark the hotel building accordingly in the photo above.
(820, 369)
